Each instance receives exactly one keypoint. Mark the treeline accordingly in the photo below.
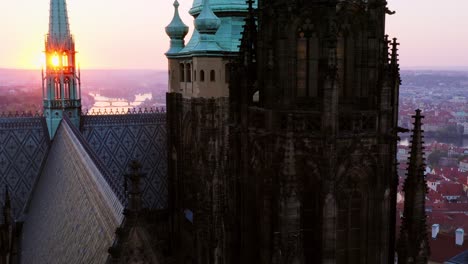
(21, 101)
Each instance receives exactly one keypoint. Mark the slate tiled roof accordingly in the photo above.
(24, 143)
(73, 213)
(118, 139)
(461, 258)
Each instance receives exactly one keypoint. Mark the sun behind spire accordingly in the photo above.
(61, 84)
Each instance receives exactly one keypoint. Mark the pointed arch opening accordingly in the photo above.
(202, 76)
(345, 64)
(188, 72)
(227, 73)
(182, 72)
(351, 218)
(307, 55)
(212, 76)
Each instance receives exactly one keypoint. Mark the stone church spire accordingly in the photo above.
(59, 27)
(413, 246)
(61, 81)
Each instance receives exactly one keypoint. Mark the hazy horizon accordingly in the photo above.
(402, 67)
(118, 34)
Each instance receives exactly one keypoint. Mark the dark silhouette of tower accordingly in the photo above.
(314, 122)
(413, 245)
(298, 165)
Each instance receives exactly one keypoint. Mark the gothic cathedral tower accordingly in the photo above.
(197, 114)
(61, 82)
(283, 151)
(314, 105)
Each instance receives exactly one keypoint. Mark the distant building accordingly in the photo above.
(463, 165)
(448, 162)
(458, 99)
(402, 154)
(465, 128)
(452, 191)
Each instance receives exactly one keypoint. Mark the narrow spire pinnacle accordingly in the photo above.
(176, 30)
(416, 162)
(59, 28)
(413, 246)
(395, 45)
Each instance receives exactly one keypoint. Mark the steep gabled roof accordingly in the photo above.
(74, 213)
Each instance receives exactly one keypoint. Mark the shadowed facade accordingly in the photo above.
(296, 164)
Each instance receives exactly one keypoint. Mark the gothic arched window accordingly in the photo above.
(188, 72)
(227, 72)
(202, 76)
(57, 90)
(351, 220)
(308, 54)
(66, 88)
(345, 64)
(182, 72)
(212, 76)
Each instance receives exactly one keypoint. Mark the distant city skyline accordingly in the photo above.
(118, 34)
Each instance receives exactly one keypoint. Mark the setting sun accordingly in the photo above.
(55, 60)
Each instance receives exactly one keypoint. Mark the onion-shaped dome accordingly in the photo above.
(207, 22)
(177, 29)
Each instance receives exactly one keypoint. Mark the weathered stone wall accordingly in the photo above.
(24, 142)
(198, 140)
(73, 213)
(119, 139)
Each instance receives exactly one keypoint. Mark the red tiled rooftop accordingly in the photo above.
(451, 189)
(443, 247)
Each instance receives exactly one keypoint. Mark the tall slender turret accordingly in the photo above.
(61, 82)
(177, 31)
(413, 246)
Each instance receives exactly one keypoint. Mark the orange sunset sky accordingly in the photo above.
(122, 34)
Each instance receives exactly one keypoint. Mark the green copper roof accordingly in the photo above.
(59, 28)
(176, 29)
(207, 22)
(227, 37)
(221, 6)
